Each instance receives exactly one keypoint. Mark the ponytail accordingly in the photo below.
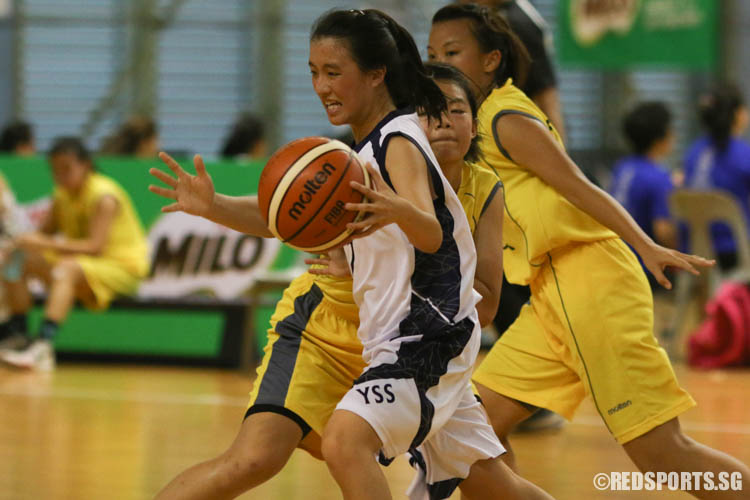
(717, 111)
(411, 79)
(377, 41)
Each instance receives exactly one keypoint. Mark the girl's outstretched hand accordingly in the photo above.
(193, 194)
(656, 258)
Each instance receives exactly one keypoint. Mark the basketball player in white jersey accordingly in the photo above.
(413, 270)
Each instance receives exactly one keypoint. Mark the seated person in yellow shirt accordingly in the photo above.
(91, 247)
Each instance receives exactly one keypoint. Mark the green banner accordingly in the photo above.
(621, 34)
(189, 256)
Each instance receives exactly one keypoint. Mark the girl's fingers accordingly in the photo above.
(359, 207)
(662, 280)
(167, 193)
(681, 263)
(697, 260)
(173, 165)
(317, 262)
(174, 207)
(200, 167)
(370, 193)
(165, 178)
(320, 271)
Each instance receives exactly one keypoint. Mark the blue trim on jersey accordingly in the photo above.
(495, 189)
(380, 153)
(374, 135)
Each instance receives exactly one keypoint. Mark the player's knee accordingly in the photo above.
(338, 448)
(66, 270)
(250, 467)
(657, 449)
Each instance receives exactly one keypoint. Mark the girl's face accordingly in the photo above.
(450, 138)
(68, 171)
(148, 148)
(452, 42)
(344, 90)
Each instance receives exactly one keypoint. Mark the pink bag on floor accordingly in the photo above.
(723, 339)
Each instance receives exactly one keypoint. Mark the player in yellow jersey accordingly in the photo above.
(91, 247)
(588, 327)
(456, 146)
(308, 366)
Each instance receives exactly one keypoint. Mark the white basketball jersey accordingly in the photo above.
(404, 294)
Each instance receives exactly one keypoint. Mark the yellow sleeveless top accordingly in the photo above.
(478, 186)
(338, 291)
(538, 219)
(127, 241)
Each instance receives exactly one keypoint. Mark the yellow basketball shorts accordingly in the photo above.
(312, 357)
(107, 278)
(588, 330)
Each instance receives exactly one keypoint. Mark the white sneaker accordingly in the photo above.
(39, 355)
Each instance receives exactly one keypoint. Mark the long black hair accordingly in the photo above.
(377, 41)
(74, 146)
(246, 132)
(448, 73)
(492, 32)
(646, 124)
(718, 109)
(130, 135)
(14, 135)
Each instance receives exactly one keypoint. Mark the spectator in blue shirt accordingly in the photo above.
(721, 160)
(640, 182)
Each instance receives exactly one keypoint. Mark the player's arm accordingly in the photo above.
(240, 213)
(49, 220)
(99, 227)
(529, 143)
(548, 100)
(488, 239)
(195, 194)
(411, 208)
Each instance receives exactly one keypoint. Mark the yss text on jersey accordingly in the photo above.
(378, 396)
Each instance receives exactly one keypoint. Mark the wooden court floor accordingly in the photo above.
(121, 432)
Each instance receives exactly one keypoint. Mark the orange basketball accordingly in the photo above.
(303, 189)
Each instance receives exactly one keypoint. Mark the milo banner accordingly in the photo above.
(619, 34)
(189, 256)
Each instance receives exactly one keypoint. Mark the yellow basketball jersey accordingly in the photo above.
(538, 219)
(478, 187)
(338, 291)
(127, 241)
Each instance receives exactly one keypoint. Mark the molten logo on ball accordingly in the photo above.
(311, 187)
(304, 188)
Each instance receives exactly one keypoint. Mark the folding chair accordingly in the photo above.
(700, 209)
